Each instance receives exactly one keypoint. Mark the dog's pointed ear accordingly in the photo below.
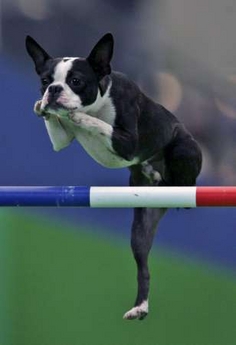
(101, 55)
(37, 53)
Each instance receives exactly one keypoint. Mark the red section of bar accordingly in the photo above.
(216, 196)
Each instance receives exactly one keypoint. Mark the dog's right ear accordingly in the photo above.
(37, 53)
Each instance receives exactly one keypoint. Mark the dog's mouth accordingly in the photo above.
(57, 108)
(55, 105)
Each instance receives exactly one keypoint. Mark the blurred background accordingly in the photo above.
(67, 276)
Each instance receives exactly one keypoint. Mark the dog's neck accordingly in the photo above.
(102, 100)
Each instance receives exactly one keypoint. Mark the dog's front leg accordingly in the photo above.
(93, 125)
(58, 134)
(96, 136)
(120, 143)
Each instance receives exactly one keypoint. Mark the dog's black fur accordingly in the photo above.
(142, 135)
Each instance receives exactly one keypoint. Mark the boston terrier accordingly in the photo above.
(119, 126)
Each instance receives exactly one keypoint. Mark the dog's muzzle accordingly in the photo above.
(52, 101)
(54, 92)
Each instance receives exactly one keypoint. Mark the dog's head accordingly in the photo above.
(71, 83)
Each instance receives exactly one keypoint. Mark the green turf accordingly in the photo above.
(72, 288)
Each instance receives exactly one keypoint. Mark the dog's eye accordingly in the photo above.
(44, 81)
(76, 82)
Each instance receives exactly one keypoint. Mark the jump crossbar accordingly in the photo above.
(117, 197)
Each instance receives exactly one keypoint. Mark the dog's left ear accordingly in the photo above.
(101, 55)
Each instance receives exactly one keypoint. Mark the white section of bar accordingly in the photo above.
(170, 197)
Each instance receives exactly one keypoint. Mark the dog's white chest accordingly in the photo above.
(101, 150)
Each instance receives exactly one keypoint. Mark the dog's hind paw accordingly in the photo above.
(139, 312)
(152, 175)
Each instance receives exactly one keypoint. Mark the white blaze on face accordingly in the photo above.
(62, 69)
(67, 98)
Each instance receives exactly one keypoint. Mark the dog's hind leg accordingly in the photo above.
(143, 231)
(183, 161)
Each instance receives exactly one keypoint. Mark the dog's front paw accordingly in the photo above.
(76, 117)
(37, 108)
(39, 111)
(139, 312)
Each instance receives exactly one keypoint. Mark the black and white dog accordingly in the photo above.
(118, 126)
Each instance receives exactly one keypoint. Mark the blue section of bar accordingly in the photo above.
(75, 196)
(67, 196)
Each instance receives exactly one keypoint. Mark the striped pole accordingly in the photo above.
(120, 197)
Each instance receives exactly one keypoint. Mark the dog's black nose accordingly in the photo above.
(54, 91)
